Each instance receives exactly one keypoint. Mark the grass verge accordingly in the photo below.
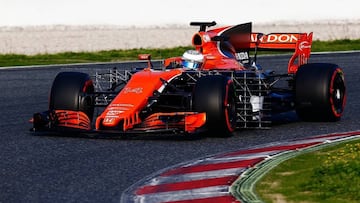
(132, 54)
(330, 175)
(87, 57)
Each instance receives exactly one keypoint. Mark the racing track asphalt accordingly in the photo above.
(70, 169)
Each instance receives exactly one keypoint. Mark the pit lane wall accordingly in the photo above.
(32, 40)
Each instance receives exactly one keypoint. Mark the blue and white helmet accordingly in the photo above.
(192, 59)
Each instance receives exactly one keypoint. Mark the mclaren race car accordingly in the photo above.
(218, 87)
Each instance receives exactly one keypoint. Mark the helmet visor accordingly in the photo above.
(191, 64)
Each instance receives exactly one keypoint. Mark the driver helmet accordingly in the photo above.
(192, 59)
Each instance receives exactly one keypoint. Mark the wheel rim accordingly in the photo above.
(230, 109)
(337, 92)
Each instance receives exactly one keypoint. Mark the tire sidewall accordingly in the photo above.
(72, 91)
(314, 99)
(214, 95)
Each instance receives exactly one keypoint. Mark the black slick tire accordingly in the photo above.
(215, 95)
(320, 92)
(72, 91)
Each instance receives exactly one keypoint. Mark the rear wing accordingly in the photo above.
(244, 40)
(240, 40)
(300, 43)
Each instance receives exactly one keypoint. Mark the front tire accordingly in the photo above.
(320, 92)
(215, 95)
(72, 91)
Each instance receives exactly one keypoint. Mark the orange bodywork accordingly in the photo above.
(300, 43)
(214, 58)
(189, 121)
(222, 55)
(133, 97)
(125, 108)
(72, 119)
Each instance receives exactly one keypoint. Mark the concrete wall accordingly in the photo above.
(60, 38)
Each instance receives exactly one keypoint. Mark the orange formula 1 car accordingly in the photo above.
(215, 87)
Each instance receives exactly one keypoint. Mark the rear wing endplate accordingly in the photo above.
(300, 43)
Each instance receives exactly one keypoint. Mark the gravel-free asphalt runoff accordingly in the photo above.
(69, 169)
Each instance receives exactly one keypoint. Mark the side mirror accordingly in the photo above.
(144, 56)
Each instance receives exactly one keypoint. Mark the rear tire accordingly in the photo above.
(72, 91)
(320, 92)
(215, 95)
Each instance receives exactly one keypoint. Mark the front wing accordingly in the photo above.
(62, 121)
